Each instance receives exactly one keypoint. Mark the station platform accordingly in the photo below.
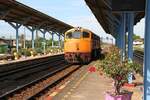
(3, 62)
(92, 86)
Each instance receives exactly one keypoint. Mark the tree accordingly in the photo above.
(135, 37)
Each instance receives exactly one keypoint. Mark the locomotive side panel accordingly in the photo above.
(95, 46)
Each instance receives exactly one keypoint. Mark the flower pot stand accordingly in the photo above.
(126, 96)
(130, 84)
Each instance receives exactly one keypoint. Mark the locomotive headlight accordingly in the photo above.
(78, 29)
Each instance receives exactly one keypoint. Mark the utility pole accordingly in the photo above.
(24, 38)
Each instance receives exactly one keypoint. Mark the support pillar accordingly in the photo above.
(122, 36)
(16, 27)
(44, 40)
(117, 40)
(147, 53)
(52, 39)
(130, 35)
(32, 29)
(59, 36)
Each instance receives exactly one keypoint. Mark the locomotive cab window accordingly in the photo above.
(69, 35)
(86, 35)
(74, 35)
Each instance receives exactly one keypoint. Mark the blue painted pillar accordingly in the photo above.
(44, 41)
(59, 36)
(122, 36)
(32, 29)
(118, 37)
(130, 35)
(117, 40)
(52, 39)
(16, 27)
(17, 38)
(147, 53)
(32, 39)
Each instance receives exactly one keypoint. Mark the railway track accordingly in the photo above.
(25, 69)
(17, 78)
(138, 56)
(23, 64)
(65, 75)
(38, 87)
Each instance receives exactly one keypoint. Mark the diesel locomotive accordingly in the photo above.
(81, 45)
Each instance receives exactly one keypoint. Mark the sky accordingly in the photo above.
(73, 12)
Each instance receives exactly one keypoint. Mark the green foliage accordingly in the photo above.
(54, 50)
(32, 51)
(135, 37)
(117, 70)
(25, 52)
(3, 49)
(40, 40)
(16, 55)
(39, 50)
(14, 50)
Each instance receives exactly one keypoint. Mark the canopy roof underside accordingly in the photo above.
(108, 12)
(13, 11)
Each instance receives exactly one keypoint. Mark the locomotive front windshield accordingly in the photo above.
(77, 35)
(74, 35)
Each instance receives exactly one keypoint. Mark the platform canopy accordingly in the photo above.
(108, 12)
(13, 11)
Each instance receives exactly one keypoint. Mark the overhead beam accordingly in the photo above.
(3, 14)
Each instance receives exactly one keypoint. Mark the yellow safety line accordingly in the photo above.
(82, 78)
(53, 94)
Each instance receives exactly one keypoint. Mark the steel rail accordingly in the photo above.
(51, 85)
(27, 68)
(10, 93)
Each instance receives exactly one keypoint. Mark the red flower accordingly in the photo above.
(119, 77)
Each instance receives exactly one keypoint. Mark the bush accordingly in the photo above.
(39, 50)
(25, 52)
(117, 70)
(32, 52)
(17, 55)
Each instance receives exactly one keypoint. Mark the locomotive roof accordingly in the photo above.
(81, 28)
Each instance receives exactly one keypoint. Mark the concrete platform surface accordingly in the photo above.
(92, 86)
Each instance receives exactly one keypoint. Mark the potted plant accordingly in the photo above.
(32, 52)
(118, 71)
(16, 54)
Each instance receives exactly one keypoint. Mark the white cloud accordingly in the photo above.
(140, 28)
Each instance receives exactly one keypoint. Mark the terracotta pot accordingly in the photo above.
(126, 96)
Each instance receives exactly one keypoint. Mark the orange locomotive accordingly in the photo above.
(81, 45)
